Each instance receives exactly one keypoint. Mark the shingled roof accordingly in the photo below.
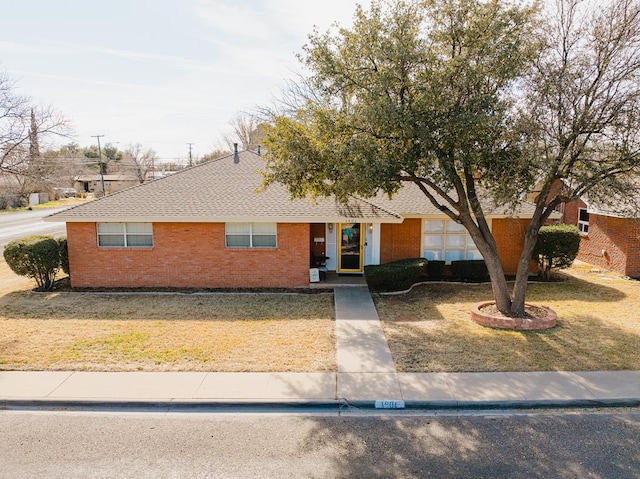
(411, 201)
(223, 190)
(615, 204)
(226, 190)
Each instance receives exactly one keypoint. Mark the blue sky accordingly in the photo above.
(161, 73)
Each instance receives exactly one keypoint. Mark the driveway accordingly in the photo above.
(25, 223)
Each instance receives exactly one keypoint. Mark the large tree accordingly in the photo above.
(23, 129)
(466, 98)
(139, 161)
(248, 131)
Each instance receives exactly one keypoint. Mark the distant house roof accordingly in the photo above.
(97, 177)
(225, 191)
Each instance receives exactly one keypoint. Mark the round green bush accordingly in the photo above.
(36, 257)
(556, 248)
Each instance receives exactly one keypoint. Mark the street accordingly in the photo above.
(25, 223)
(544, 444)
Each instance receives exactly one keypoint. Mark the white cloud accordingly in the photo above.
(72, 49)
(272, 21)
(237, 21)
(181, 75)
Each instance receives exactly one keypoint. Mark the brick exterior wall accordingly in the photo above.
(509, 235)
(401, 241)
(633, 251)
(190, 255)
(570, 212)
(620, 240)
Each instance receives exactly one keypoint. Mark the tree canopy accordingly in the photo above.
(467, 98)
(22, 129)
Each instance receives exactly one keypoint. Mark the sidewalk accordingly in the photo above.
(366, 377)
(429, 390)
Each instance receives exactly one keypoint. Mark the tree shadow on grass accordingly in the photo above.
(574, 289)
(569, 287)
(429, 330)
(587, 344)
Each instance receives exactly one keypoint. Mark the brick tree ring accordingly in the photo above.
(538, 317)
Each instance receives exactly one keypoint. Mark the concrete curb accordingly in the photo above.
(166, 405)
(335, 405)
(526, 404)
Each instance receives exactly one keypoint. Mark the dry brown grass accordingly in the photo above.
(108, 332)
(429, 329)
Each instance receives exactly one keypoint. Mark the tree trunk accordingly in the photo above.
(522, 275)
(498, 282)
(489, 251)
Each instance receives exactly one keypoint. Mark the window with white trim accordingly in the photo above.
(583, 220)
(447, 240)
(125, 235)
(251, 235)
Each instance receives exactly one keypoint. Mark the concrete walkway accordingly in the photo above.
(366, 377)
(365, 366)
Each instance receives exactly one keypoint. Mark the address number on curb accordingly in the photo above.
(389, 404)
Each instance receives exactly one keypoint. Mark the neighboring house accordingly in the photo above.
(214, 226)
(609, 230)
(610, 235)
(112, 183)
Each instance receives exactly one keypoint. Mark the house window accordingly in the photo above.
(583, 220)
(250, 235)
(125, 235)
(447, 240)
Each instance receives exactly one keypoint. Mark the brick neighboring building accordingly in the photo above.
(610, 237)
(212, 226)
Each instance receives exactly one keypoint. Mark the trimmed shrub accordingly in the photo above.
(36, 257)
(469, 271)
(11, 201)
(64, 255)
(397, 275)
(435, 269)
(556, 248)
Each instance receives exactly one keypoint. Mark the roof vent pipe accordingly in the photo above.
(236, 157)
(259, 154)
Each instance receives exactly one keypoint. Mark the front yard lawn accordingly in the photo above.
(429, 329)
(107, 332)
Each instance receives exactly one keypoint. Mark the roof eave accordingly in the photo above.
(223, 219)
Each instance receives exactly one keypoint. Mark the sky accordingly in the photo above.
(162, 73)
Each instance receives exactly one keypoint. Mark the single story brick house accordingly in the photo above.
(610, 234)
(214, 226)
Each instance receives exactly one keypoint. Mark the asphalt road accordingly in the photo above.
(561, 444)
(25, 223)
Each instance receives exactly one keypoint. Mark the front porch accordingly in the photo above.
(344, 248)
(333, 279)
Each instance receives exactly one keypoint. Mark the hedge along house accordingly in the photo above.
(214, 226)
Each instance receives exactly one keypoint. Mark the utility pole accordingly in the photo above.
(190, 159)
(100, 163)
